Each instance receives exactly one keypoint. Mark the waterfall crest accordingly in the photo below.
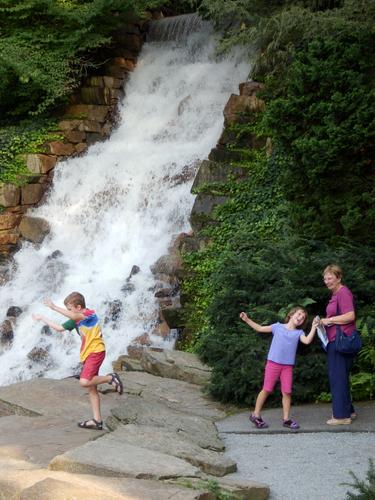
(176, 28)
(120, 205)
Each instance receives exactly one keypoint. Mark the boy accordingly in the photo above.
(92, 353)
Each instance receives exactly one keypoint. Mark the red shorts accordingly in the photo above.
(92, 364)
(274, 372)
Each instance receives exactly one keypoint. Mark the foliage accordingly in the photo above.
(365, 488)
(17, 141)
(362, 383)
(308, 205)
(325, 127)
(47, 45)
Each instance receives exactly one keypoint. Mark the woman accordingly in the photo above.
(340, 311)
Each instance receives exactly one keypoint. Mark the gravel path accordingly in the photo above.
(301, 466)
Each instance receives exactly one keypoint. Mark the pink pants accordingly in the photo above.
(274, 372)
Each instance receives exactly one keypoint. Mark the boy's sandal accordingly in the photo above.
(117, 381)
(258, 422)
(91, 424)
(291, 424)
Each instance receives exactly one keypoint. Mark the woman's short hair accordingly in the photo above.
(333, 269)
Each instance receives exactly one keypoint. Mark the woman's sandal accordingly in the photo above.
(291, 424)
(86, 424)
(117, 381)
(258, 422)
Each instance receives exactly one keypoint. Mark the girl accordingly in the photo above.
(280, 360)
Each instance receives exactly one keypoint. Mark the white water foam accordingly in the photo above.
(120, 205)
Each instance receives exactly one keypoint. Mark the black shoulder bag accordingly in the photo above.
(347, 344)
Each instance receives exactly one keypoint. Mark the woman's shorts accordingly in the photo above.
(92, 364)
(274, 372)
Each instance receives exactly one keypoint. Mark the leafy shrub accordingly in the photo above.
(325, 127)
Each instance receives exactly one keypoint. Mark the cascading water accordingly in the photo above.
(121, 204)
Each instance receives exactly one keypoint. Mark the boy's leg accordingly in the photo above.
(95, 403)
(97, 380)
(89, 379)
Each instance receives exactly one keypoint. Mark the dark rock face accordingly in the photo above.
(6, 333)
(39, 355)
(113, 312)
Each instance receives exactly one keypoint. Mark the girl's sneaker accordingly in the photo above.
(291, 424)
(258, 422)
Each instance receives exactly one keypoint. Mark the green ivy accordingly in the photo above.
(17, 141)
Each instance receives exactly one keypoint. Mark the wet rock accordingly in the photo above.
(168, 264)
(176, 365)
(113, 312)
(143, 340)
(128, 288)
(6, 333)
(134, 270)
(55, 255)
(46, 330)
(39, 355)
(14, 311)
(54, 270)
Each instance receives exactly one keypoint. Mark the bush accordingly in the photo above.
(324, 127)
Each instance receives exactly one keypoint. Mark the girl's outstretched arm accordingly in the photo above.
(255, 326)
(307, 339)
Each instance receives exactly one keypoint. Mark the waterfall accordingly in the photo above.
(120, 205)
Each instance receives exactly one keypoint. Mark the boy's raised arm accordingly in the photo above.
(255, 326)
(76, 316)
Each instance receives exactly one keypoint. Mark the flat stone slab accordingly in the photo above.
(20, 480)
(175, 394)
(177, 365)
(56, 398)
(199, 430)
(173, 443)
(39, 439)
(107, 457)
(311, 418)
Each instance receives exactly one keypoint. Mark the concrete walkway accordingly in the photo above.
(308, 464)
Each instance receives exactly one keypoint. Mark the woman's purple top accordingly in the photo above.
(344, 299)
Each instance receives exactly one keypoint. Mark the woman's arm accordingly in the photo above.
(255, 326)
(307, 339)
(340, 319)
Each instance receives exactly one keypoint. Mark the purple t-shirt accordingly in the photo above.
(344, 298)
(284, 344)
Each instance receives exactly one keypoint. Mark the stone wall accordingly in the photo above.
(90, 117)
